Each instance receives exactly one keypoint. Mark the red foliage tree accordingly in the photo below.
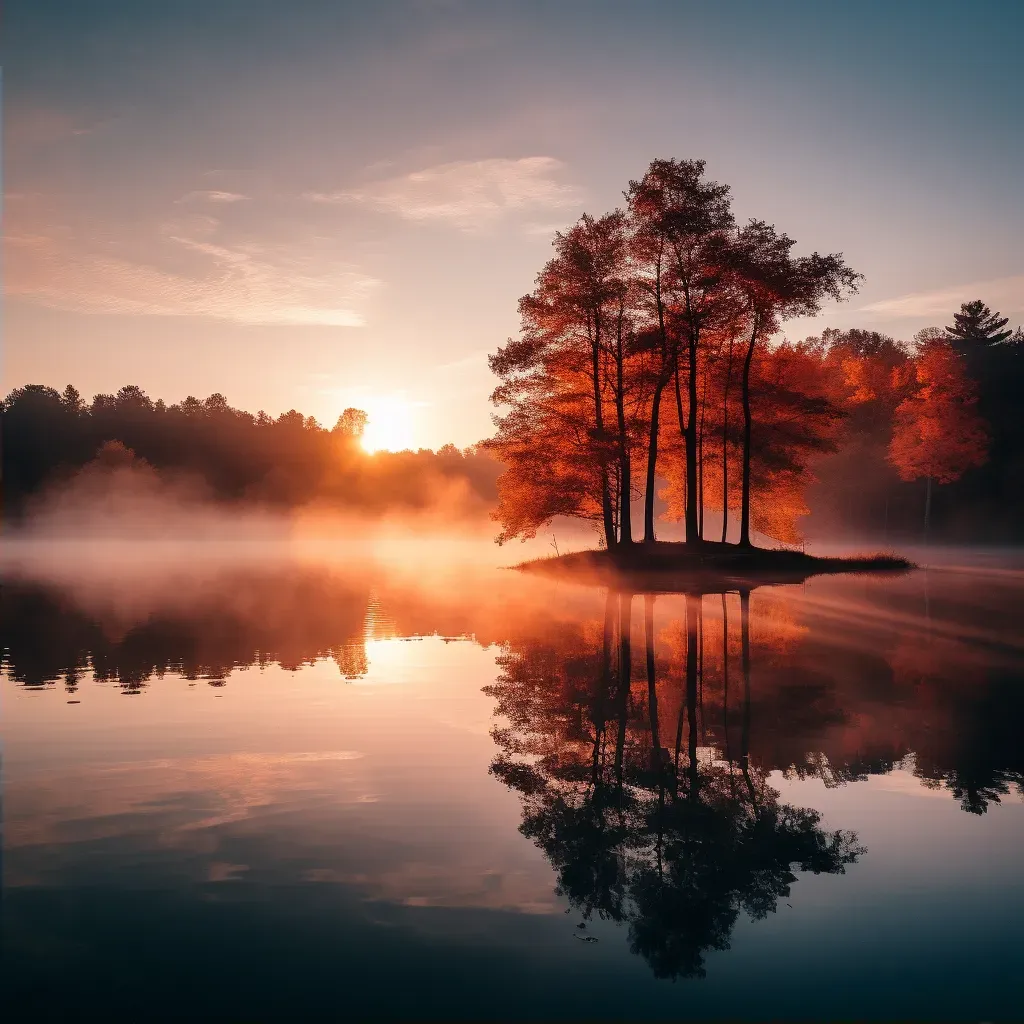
(937, 432)
(568, 438)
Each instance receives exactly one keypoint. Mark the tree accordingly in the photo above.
(72, 399)
(937, 433)
(628, 307)
(351, 423)
(776, 286)
(567, 381)
(681, 238)
(976, 324)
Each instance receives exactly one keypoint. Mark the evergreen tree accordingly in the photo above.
(976, 323)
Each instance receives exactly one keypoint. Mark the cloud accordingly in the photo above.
(243, 282)
(470, 194)
(1005, 293)
(212, 196)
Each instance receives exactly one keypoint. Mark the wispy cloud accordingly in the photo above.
(469, 194)
(240, 281)
(1006, 293)
(209, 195)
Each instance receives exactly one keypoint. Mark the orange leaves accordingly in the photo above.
(567, 435)
(937, 432)
(638, 344)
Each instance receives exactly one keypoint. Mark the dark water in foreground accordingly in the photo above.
(302, 789)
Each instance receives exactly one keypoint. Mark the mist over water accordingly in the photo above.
(285, 761)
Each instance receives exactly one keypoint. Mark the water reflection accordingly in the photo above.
(649, 745)
(644, 777)
(753, 683)
(644, 821)
(233, 621)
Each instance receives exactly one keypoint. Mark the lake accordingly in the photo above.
(290, 785)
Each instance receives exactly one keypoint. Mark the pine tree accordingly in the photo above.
(977, 324)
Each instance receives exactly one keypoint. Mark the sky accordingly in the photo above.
(313, 205)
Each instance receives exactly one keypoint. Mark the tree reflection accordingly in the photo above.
(673, 843)
(232, 621)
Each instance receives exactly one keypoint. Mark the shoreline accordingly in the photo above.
(670, 566)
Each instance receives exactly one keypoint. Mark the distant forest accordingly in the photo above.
(51, 438)
(952, 396)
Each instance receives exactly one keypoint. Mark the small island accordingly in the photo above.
(667, 566)
(651, 380)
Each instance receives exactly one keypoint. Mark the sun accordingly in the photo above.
(390, 426)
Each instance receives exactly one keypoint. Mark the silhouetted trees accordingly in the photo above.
(775, 286)
(976, 324)
(236, 456)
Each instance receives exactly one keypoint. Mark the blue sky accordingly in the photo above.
(318, 204)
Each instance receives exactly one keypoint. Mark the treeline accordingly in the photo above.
(943, 410)
(235, 456)
(648, 366)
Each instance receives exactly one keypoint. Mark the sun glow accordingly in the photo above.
(391, 424)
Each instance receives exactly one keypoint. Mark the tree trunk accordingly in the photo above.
(652, 461)
(668, 366)
(747, 431)
(725, 448)
(927, 507)
(607, 518)
(700, 456)
(625, 467)
(692, 497)
(682, 427)
(606, 497)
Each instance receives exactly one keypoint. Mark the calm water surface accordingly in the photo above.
(301, 788)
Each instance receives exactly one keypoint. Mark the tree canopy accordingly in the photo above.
(644, 344)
